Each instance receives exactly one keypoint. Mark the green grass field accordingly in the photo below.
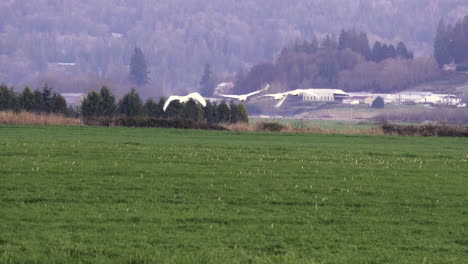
(128, 195)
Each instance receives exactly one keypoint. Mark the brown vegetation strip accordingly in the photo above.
(26, 118)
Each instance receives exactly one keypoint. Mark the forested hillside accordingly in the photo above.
(92, 40)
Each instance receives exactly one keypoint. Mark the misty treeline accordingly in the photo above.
(45, 100)
(346, 62)
(178, 37)
(103, 103)
(451, 43)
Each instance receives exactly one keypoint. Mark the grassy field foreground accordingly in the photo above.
(125, 195)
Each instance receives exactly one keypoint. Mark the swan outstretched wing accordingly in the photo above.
(267, 86)
(280, 103)
(197, 97)
(277, 96)
(231, 96)
(183, 99)
(169, 100)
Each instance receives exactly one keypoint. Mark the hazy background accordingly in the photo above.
(95, 38)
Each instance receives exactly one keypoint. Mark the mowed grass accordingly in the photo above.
(129, 195)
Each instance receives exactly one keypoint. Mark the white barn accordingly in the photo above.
(324, 95)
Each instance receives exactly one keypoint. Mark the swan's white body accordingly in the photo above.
(183, 99)
(243, 97)
(282, 96)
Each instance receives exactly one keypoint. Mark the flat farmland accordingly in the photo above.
(131, 195)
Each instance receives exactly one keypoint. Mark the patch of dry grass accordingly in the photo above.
(27, 118)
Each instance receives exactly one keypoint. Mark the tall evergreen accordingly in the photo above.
(441, 52)
(457, 44)
(7, 98)
(224, 113)
(364, 46)
(92, 105)
(403, 52)
(210, 112)
(152, 109)
(207, 84)
(38, 101)
(190, 110)
(131, 104)
(59, 104)
(27, 100)
(139, 68)
(47, 98)
(109, 106)
(174, 110)
(378, 52)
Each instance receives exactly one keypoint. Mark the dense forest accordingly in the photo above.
(451, 43)
(80, 45)
(347, 62)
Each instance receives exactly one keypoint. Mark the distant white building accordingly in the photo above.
(411, 97)
(416, 97)
(450, 99)
(74, 99)
(356, 98)
(324, 95)
(450, 67)
(351, 101)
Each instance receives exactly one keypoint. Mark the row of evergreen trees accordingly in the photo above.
(44, 100)
(357, 42)
(103, 104)
(451, 42)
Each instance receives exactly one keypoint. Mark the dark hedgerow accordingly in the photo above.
(426, 130)
(269, 126)
(152, 122)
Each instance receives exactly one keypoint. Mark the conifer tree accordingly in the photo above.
(27, 100)
(109, 106)
(47, 98)
(441, 52)
(139, 68)
(92, 105)
(224, 113)
(210, 112)
(8, 99)
(152, 109)
(174, 110)
(207, 84)
(131, 104)
(59, 104)
(377, 52)
(38, 101)
(403, 52)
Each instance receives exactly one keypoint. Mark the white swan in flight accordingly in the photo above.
(183, 99)
(282, 96)
(243, 97)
